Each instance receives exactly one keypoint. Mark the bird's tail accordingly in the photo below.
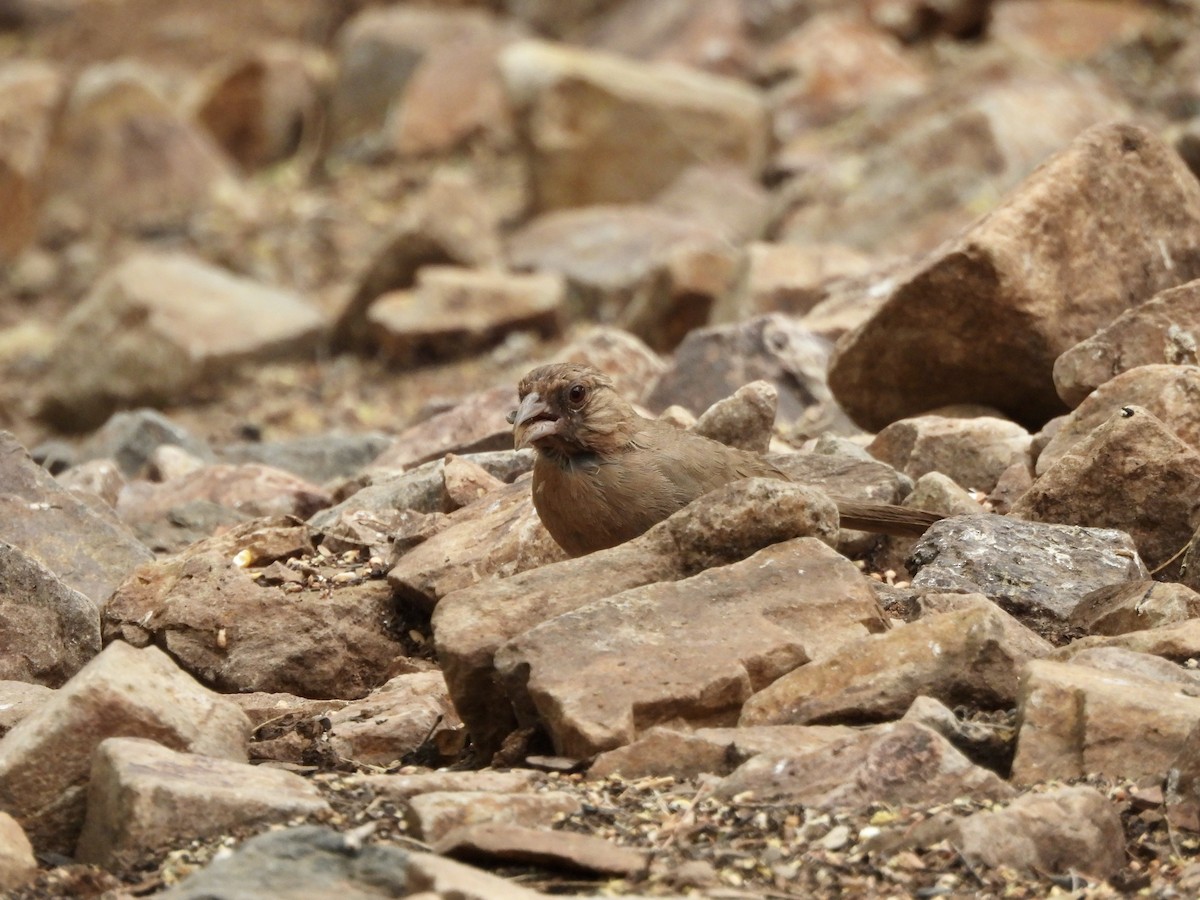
(881, 518)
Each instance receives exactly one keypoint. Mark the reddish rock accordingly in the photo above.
(1140, 204)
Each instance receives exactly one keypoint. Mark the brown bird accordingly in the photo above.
(605, 474)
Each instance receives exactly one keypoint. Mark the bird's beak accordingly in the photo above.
(532, 420)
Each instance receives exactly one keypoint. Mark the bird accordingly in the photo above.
(605, 474)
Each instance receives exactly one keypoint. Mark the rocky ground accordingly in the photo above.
(277, 617)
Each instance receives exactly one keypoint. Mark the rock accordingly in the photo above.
(248, 490)
(443, 224)
(1179, 642)
(712, 363)
(83, 544)
(1010, 487)
(559, 850)
(31, 91)
(123, 692)
(1067, 830)
(664, 751)
(395, 720)
(620, 355)
(475, 425)
(1136, 606)
(1130, 464)
(130, 438)
(125, 157)
(971, 657)
(316, 458)
(608, 130)
(144, 798)
(709, 671)
(316, 861)
(1032, 570)
(974, 452)
(423, 488)
(260, 107)
(612, 256)
(454, 98)
(787, 278)
(168, 462)
(983, 742)
(898, 764)
(1163, 330)
(496, 536)
(1141, 205)
(379, 51)
(723, 197)
(1077, 720)
(713, 37)
(18, 865)
(833, 65)
(156, 326)
(210, 609)
(453, 312)
(48, 630)
(1166, 392)
(1071, 31)
(18, 699)
(745, 420)
(1128, 662)
(731, 523)
(434, 815)
(1182, 789)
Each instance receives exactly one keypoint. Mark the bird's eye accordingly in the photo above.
(577, 393)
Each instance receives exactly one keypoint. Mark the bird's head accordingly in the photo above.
(567, 409)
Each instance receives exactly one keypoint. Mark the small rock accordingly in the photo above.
(466, 482)
(1136, 606)
(974, 452)
(561, 850)
(434, 815)
(96, 476)
(18, 865)
(746, 420)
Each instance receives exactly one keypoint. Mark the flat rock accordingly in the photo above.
(1031, 569)
(48, 630)
(1139, 203)
(664, 751)
(157, 325)
(402, 788)
(433, 815)
(312, 860)
(561, 850)
(731, 523)
(603, 129)
(975, 451)
(1129, 662)
(795, 602)
(1131, 463)
(1178, 643)
(231, 629)
(452, 312)
(1166, 392)
(901, 763)
(1077, 720)
(496, 536)
(144, 798)
(84, 544)
(123, 692)
(1063, 831)
(394, 720)
(971, 657)
(1161, 331)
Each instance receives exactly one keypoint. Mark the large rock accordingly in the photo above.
(83, 544)
(984, 319)
(159, 324)
(145, 798)
(48, 631)
(973, 656)
(728, 525)
(212, 610)
(1130, 465)
(126, 157)
(1032, 570)
(1077, 720)
(123, 692)
(666, 652)
(602, 129)
(1163, 330)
